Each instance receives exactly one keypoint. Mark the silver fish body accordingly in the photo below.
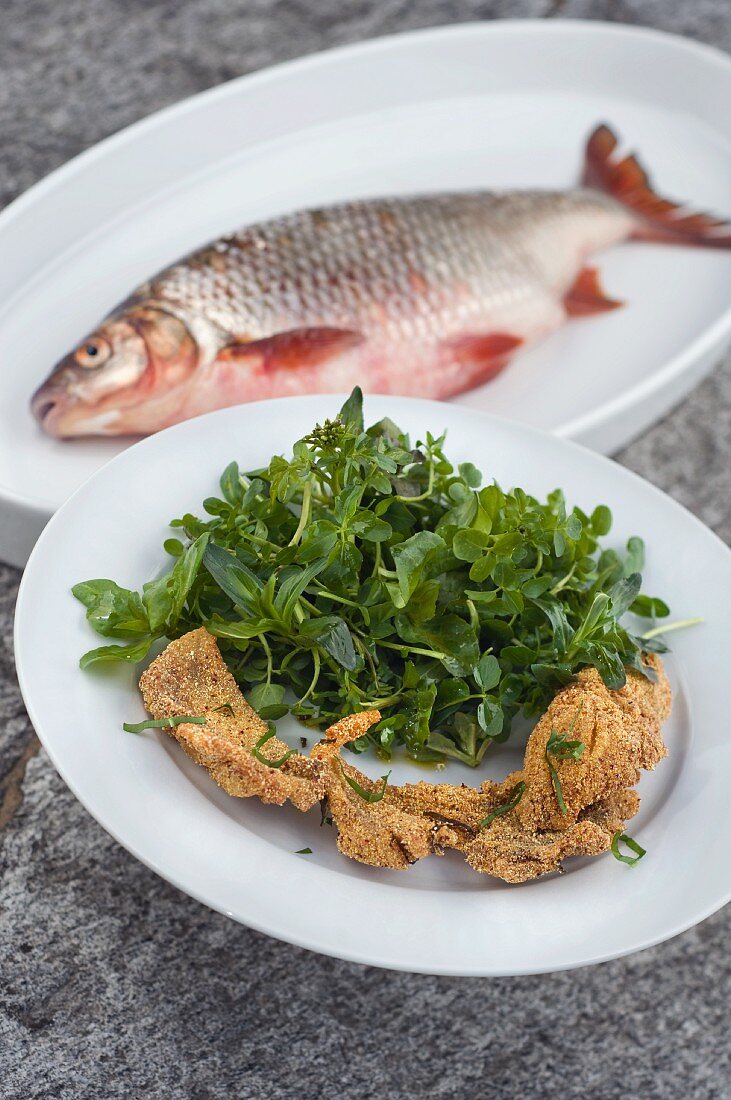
(426, 295)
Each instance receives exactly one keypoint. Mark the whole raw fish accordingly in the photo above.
(426, 296)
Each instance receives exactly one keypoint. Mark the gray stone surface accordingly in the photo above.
(114, 984)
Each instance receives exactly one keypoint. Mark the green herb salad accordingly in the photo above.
(365, 570)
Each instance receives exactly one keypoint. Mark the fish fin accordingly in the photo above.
(586, 295)
(483, 355)
(301, 347)
(658, 219)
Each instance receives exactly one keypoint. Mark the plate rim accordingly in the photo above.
(321, 946)
(704, 344)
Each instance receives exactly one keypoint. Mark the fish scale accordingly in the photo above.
(427, 295)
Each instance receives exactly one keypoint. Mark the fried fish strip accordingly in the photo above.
(620, 732)
(190, 677)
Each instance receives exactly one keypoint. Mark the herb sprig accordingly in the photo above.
(560, 747)
(366, 571)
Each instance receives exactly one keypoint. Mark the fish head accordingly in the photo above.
(125, 378)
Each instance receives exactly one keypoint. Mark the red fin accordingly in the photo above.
(301, 347)
(658, 219)
(586, 295)
(484, 355)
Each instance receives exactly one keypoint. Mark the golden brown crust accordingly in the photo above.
(621, 734)
(620, 731)
(191, 678)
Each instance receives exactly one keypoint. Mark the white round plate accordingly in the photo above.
(498, 105)
(238, 856)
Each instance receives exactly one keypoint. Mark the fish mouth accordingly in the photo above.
(53, 410)
(47, 408)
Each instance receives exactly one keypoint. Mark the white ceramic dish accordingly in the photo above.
(505, 104)
(239, 856)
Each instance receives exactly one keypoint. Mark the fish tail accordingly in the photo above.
(658, 219)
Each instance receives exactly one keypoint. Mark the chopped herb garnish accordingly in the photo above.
(225, 708)
(162, 723)
(303, 852)
(513, 799)
(560, 747)
(264, 759)
(367, 796)
(367, 569)
(631, 844)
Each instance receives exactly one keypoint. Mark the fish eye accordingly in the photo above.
(93, 353)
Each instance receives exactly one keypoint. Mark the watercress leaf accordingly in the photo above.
(601, 520)
(352, 410)
(411, 558)
(470, 474)
(112, 611)
(240, 584)
(265, 695)
(468, 545)
(239, 629)
(423, 603)
(608, 664)
(634, 562)
(451, 638)
(157, 598)
(319, 540)
(292, 584)
(184, 573)
(487, 672)
(332, 634)
(451, 693)
(490, 718)
(624, 593)
(649, 607)
(230, 483)
(106, 654)
(174, 547)
(370, 527)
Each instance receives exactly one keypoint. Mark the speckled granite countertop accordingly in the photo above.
(114, 984)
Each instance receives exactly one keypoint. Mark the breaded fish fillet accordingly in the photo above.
(191, 678)
(515, 830)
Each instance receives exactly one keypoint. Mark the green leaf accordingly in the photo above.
(157, 598)
(423, 602)
(331, 633)
(292, 585)
(367, 796)
(132, 652)
(162, 723)
(239, 583)
(490, 718)
(639, 851)
(469, 545)
(370, 527)
(470, 474)
(259, 755)
(352, 410)
(624, 593)
(512, 801)
(649, 607)
(263, 696)
(112, 611)
(609, 665)
(411, 558)
(487, 672)
(184, 573)
(231, 486)
(452, 639)
(601, 520)
(635, 560)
